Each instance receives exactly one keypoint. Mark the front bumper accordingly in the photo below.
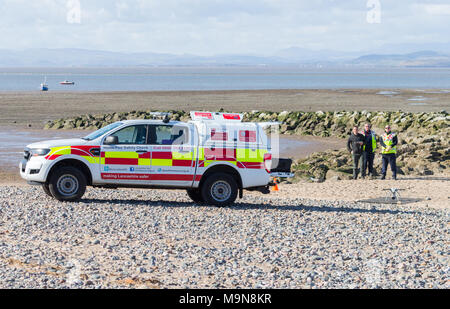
(32, 170)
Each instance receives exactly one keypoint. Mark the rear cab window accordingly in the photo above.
(167, 135)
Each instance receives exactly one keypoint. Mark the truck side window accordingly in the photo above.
(132, 135)
(167, 135)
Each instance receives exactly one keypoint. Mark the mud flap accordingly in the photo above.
(263, 190)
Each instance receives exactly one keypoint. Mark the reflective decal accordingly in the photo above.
(218, 136)
(247, 136)
(161, 177)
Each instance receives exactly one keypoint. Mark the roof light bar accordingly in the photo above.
(203, 116)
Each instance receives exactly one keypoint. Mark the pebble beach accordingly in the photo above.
(159, 239)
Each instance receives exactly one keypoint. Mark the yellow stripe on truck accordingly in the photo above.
(93, 160)
(201, 154)
(161, 162)
(144, 162)
(61, 151)
(250, 155)
(182, 156)
(122, 154)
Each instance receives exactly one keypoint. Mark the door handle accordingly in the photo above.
(141, 151)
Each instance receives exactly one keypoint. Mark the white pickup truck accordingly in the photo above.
(215, 156)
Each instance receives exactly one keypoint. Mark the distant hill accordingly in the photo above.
(88, 58)
(286, 57)
(304, 55)
(417, 59)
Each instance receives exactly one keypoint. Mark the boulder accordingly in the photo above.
(334, 175)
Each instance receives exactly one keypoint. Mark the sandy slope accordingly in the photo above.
(433, 191)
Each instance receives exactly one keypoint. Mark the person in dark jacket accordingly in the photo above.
(389, 143)
(368, 155)
(355, 146)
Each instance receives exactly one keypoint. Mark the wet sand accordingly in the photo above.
(298, 147)
(36, 108)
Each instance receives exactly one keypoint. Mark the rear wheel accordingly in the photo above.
(195, 195)
(67, 184)
(219, 189)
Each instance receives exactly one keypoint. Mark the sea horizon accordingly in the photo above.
(90, 79)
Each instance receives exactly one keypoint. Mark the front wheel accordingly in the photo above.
(220, 190)
(46, 189)
(67, 184)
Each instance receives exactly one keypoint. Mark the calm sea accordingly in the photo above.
(223, 78)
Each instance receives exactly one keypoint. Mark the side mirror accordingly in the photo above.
(111, 140)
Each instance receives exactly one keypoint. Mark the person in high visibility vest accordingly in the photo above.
(389, 143)
(368, 155)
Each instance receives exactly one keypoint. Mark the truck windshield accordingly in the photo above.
(102, 131)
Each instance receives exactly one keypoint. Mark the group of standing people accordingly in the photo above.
(363, 144)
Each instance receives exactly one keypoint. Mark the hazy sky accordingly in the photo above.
(208, 27)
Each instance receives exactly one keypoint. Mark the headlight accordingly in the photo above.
(39, 152)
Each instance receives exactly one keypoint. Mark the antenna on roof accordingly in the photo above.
(166, 119)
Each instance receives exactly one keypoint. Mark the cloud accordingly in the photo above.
(436, 9)
(209, 27)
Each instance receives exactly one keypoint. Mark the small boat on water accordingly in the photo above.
(44, 86)
(66, 82)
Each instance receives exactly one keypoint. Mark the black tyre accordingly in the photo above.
(195, 195)
(67, 184)
(219, 189)
(46, 189)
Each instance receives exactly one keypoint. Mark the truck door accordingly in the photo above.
(172, 155)
(128, 160)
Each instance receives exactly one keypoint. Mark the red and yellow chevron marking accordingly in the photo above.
(155, 158)
(242, 158)
(82, 151)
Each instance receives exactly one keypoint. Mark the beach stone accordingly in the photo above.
(333, 175)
